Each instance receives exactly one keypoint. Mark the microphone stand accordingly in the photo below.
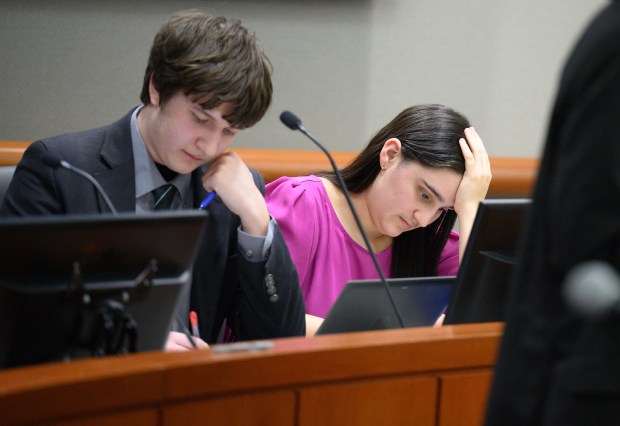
(92, 180)
(292, 122)
(53, 160)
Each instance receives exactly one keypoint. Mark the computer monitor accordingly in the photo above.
(364, 305)
(81, 285)
(481, 286)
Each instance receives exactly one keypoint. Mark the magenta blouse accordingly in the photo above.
(326, 256)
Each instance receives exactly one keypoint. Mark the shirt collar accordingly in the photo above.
(146, 174)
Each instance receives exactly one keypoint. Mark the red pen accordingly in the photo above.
(193, 320)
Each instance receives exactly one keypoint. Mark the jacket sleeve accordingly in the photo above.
(33, 188)
(269, 302)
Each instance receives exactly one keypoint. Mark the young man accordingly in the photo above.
(206, 80)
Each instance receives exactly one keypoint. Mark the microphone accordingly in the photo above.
(53, 160)
(592, 289)
(291, 121)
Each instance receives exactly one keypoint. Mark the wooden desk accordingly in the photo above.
(421, 376)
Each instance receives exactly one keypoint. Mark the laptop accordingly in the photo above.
(364, 305)
(60, 275)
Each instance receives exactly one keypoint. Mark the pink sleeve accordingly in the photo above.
(293, 207)
(449, 259)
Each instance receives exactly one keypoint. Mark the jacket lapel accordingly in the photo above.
(118, 179)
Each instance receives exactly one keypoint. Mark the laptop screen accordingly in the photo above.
(364, 304)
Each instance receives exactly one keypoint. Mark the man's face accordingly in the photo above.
(182, 135)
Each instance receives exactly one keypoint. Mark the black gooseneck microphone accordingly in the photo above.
(53, 160)
(291, 121)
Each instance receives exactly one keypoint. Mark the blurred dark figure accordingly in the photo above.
(555, 367)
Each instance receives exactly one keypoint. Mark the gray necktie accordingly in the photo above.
(163, 196)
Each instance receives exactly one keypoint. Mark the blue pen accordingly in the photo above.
(207, 200)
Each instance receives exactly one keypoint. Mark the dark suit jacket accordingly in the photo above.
(554, 367)
(224, 285)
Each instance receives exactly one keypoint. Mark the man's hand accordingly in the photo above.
(231, 179)
(178, 342)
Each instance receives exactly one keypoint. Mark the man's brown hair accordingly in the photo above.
(214, 60)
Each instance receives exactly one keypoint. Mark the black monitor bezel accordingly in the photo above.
(45, 320)
(494, 240)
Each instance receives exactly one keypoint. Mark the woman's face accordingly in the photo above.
(407, 195)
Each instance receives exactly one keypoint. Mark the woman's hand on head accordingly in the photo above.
(474, 185)
(477, 176)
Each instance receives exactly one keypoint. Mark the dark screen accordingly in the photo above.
(485, 272)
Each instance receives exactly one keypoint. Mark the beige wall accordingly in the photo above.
(344, 66)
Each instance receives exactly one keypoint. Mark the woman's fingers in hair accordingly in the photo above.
(474, 150)
(477, 166)
(474, 145)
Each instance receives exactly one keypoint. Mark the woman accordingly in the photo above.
(408, 185)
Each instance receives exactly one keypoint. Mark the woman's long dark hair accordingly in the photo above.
(429, 135)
